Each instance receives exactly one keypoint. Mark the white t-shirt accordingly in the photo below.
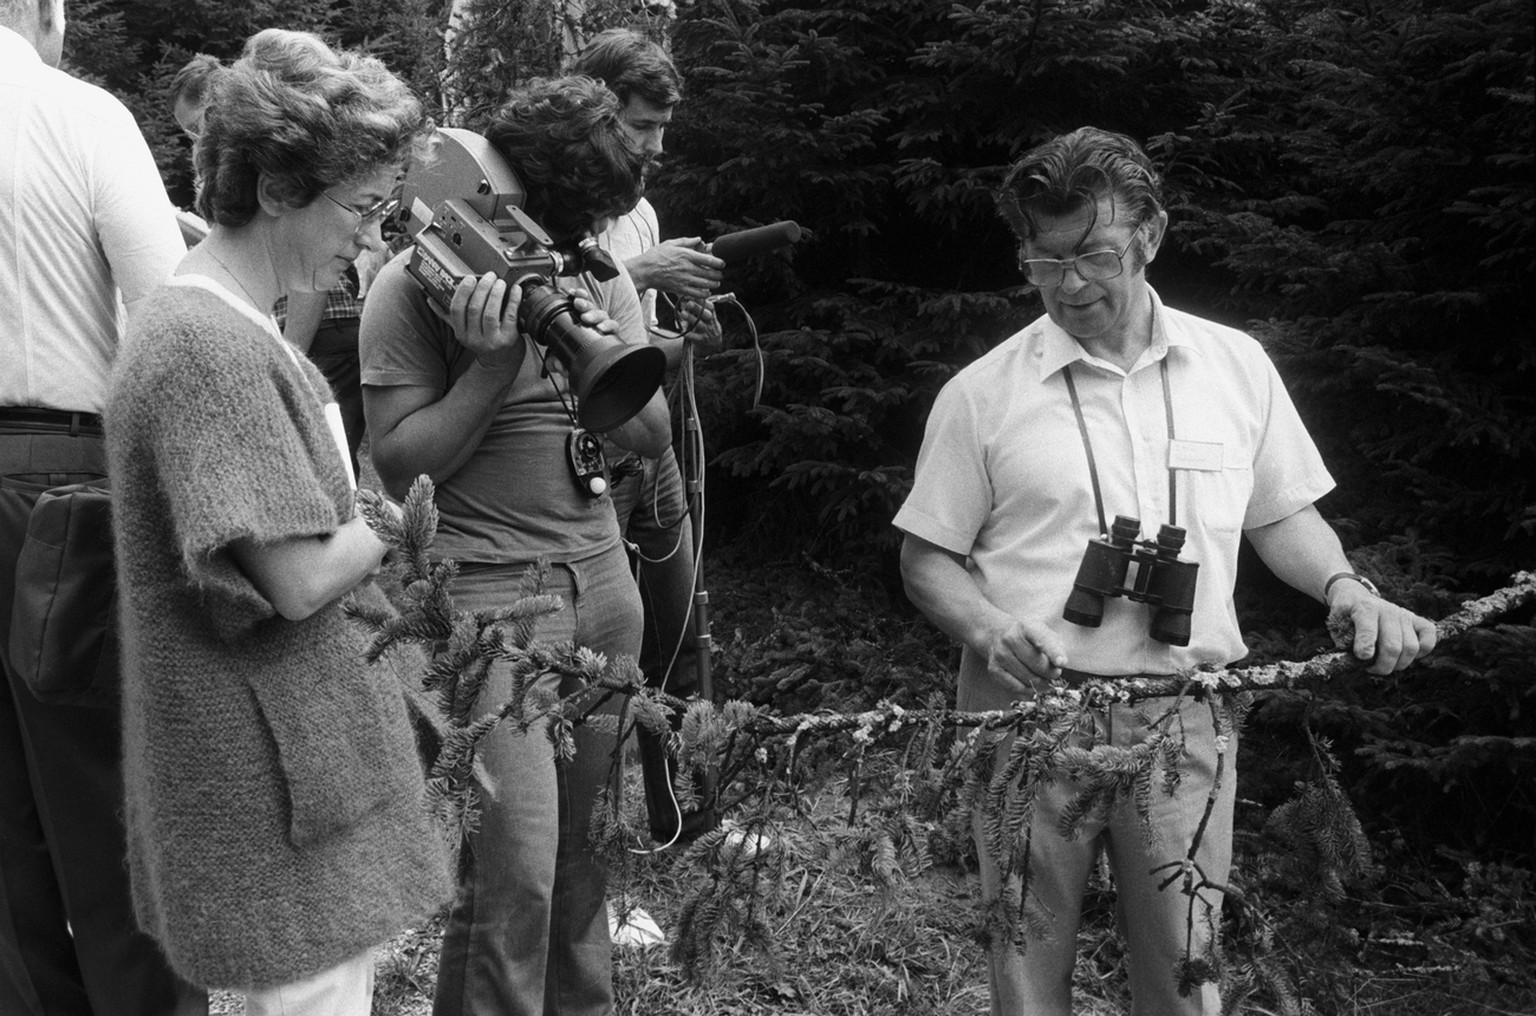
(631, 235)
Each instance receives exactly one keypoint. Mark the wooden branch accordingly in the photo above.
(888, 717)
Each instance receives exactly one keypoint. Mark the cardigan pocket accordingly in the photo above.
(332, 747)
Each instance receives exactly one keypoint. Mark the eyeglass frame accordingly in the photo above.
(1063, 264)
(378, 212)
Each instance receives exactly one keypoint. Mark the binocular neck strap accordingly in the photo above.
(1093, 471)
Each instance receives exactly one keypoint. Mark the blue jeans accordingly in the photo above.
(528, 935)
(1152, 922)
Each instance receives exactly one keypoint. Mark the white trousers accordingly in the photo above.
(343, 990)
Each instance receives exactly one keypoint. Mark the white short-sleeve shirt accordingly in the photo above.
(1003, 479)
(85, 226)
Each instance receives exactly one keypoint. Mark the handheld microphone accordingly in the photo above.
(752, 242)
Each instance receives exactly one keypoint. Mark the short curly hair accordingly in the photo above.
(306, 116)
(1073, 171)
(571, 151)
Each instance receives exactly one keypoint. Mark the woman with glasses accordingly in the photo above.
(276, 823)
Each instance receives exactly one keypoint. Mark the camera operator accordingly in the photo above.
(651, 503)
(85, 227)
(1110, 403)
(464, 400)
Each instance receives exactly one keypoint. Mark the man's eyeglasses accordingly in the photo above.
(374, 213)
(1094, 266)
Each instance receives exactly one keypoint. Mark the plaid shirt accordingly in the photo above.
(340, 301)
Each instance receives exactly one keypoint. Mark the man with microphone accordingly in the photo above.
(648, 85)
(651, 504)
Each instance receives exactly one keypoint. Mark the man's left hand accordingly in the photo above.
(699, 326)
(1389, 636)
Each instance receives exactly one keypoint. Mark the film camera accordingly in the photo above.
(1161, 580)
(465, 212)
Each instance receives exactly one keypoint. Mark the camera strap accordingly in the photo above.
(1093, 471)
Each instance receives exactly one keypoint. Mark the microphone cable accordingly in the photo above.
(693, 452)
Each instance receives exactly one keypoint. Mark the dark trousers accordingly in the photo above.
(334, 351)
(69, 943)
(652, 507)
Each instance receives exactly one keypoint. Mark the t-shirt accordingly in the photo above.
(515, 498)
(632, 234)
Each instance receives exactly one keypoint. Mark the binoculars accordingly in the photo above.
(1161, 580)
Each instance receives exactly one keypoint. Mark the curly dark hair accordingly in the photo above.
(308, 117)
(1073, 171)
(571, 151)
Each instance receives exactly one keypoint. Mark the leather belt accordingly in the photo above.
(33, 418)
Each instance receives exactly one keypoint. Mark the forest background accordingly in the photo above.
(1351, 181)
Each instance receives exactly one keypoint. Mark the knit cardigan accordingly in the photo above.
(274, 802)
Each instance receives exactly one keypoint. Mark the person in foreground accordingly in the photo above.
(275, 806)
(462, 397)
(84, 229)
(1114, 404)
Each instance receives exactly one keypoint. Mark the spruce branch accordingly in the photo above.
(996, 765)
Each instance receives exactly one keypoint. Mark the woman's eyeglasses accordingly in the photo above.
(377, 212)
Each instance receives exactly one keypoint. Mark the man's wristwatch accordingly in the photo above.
(1370, 586)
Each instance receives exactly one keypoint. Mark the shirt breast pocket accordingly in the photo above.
(1218, 498)
(1215, 481)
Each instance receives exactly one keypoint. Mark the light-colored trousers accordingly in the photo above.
(528, 934)
(1154, 924)
(344, 990)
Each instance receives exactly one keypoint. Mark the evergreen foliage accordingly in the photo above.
(495, 45)
(135, 47)
(1371, 203)
(897, 797)
(1351, 181)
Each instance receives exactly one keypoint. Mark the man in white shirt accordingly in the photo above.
(85, 226)
(1115, 405)
(651, 503)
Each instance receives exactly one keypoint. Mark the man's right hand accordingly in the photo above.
(680, 266)
(1027, 653)
(481, 324)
